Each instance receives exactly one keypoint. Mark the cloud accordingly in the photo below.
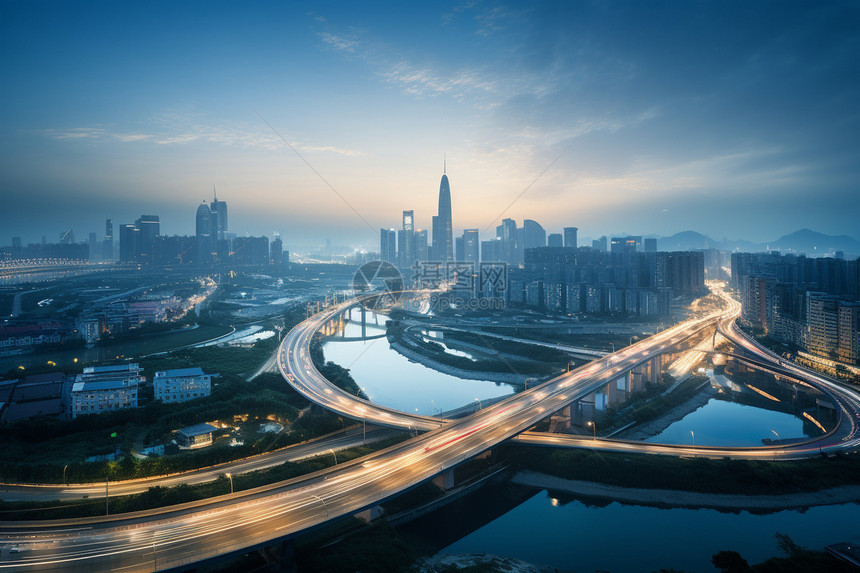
(175, 128)
(339, 42)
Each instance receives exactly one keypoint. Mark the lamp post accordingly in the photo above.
(693, 437)
(593, 427)
(779, 440)
(230, 477)
(107, 499)
(479, 403)
(325, 507)
(334, 454)
(65, 467)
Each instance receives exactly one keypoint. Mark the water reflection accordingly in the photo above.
(579, 536)
(752, 407)
(392, 380)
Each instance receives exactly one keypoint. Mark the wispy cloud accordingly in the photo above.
(339, 42)
(173, 128)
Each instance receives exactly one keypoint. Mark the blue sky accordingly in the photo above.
(736, 119)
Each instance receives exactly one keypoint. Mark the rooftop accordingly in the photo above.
(197, 430)
(176, 372)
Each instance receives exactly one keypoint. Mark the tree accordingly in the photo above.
(730, 562)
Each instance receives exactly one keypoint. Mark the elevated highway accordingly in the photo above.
(183, 536)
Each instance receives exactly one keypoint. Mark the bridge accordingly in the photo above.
(187, 535)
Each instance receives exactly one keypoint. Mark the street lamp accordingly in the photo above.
(593, 427)
(335, 455)
(479, 403)
(778, 439)
(230, 477)
(325, 507)
(65, 467)
(693, 437)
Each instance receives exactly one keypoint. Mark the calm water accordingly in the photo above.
(627, 538)
(721, 423)
(390, 379)
(579, 537)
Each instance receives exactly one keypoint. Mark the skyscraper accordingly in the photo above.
(443, 226)
(506, 233)
(388, 246)
(471, 246)
(107, 247)
(218, 215)
(554, 240)
(150, 227)
(203, 233)
(570, 237)
(406, 240)
(129, 243)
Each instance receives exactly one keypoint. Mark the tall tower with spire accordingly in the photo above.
(443, 226)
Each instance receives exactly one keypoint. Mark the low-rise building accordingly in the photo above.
(181, 384)
(196, 436)
(105, 388)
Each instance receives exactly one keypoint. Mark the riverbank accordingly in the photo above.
(677, 498)
(654, 427)
(415, 356)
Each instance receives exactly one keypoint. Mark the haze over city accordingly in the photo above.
(734, 119)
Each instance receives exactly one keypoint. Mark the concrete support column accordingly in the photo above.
(445, 480)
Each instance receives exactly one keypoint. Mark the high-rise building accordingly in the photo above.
(388, 246)
(129, 243)
(534, 235)
(507, 234)
(555, 240)
(203, 234)
(107, 246)
(822, 319)
(149, 227)
(218, 217)
(421, 246)
(471, 246)
(849, 332)
(443, 226)
(650, 245)
(276, 250)
(570, 237)
(600, 244)
(250, 251)
(92, 244)
(406, 240)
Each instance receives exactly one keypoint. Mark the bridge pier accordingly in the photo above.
(445, 480)
(281, 554)
(370, 513)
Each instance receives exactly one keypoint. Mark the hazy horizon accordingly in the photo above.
(735, 120)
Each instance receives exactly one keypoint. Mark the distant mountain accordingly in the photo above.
(806, 241)
(687, 240)
(815, 243)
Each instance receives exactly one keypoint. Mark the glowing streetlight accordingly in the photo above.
(335, 455)
(230, 477)
(593, 427)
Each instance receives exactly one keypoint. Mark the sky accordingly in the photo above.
(324, 120)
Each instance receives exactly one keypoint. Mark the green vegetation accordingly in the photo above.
(334, 373)
(159, 496)
(797, 559)
(37, 450)
(649, 404)
(436, 352)
(658, 472)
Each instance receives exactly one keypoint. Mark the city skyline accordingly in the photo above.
(737, 121)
